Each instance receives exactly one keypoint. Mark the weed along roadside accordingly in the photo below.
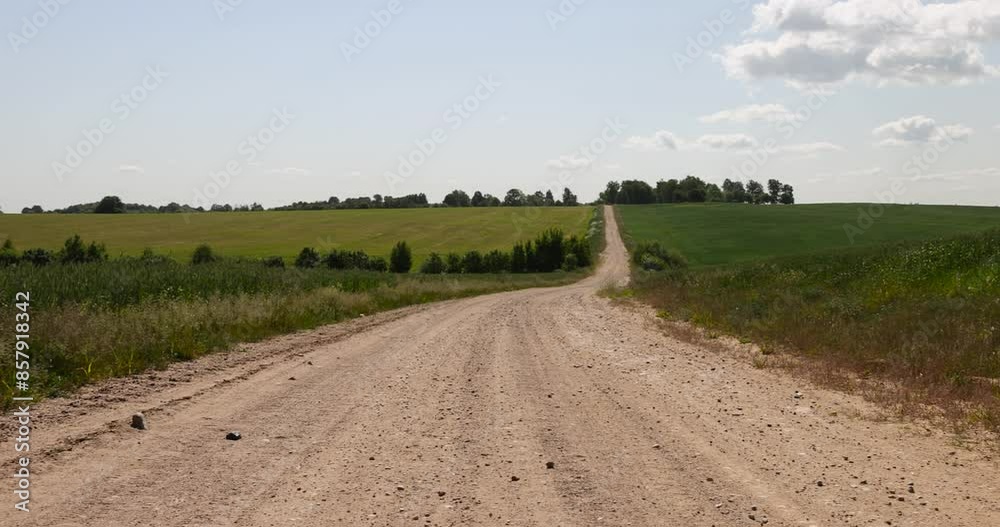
(905, 321)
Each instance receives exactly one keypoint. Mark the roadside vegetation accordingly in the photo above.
(94, 317)
(916, 319)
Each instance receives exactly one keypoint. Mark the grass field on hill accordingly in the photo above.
(712, 234)
(262, 234)
(915, 302)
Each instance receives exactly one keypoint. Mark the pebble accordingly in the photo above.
(234, 436)
(550, 465)
(139, 422)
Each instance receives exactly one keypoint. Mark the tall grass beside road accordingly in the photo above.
(923, 315)
(94, 321)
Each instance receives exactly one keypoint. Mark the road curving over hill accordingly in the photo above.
(539, 407)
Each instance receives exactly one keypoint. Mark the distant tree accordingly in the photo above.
(478, 200)
(535, 200)
(453, 263)
(33, 210)
(457, 198)
(635, 192)
(569, 199)
(334, 200)
(734, 192)
(434, 264)
(666, 191)
(610, 194)
(377, 200)
(203, 254)
(787, 196)
(691, 189)
(514, 198)
(472, 263)
(110, 205)
(308, 258)
(550, 200)
(755, 192)
(401, 259)
(492, 201)
(713, 193)
(773, 190)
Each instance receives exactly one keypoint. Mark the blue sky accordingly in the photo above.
(917, 82)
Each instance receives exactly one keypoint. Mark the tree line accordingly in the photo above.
(694, 190)
(456, 198)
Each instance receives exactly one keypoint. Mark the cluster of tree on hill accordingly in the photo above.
(514, 198)
(114, 205)
(694, 190)
(457, 198)
(377, 201)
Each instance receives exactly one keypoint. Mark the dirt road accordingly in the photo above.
(541, 407)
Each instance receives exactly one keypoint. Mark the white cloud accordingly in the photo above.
(959, 175)
(809, 149)
(291, 171)
(735, 143)
(131, 169)
(724, 143)
(661, 140)
(831, 41)
(571, 163)
(920, 129)
(754, 112)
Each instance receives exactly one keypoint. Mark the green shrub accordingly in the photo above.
(496, 262)
(75, 252)
(549, 251)
(38, 257)
(472, 263)
(203, 254)
(434, 264)
(453, 264)
(519, 259)
(8, 255)
(276, 262)
(570, 263)
(653, 257)
(308, 259)
(401, 258)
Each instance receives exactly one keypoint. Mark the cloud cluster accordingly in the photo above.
(771, 113)
(573, 163)
(919, 130)
(733, 143)
(829, 41)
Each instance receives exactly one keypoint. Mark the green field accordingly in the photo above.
(712, 234)
(261, 234)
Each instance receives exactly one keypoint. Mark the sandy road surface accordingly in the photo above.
(448, 415)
